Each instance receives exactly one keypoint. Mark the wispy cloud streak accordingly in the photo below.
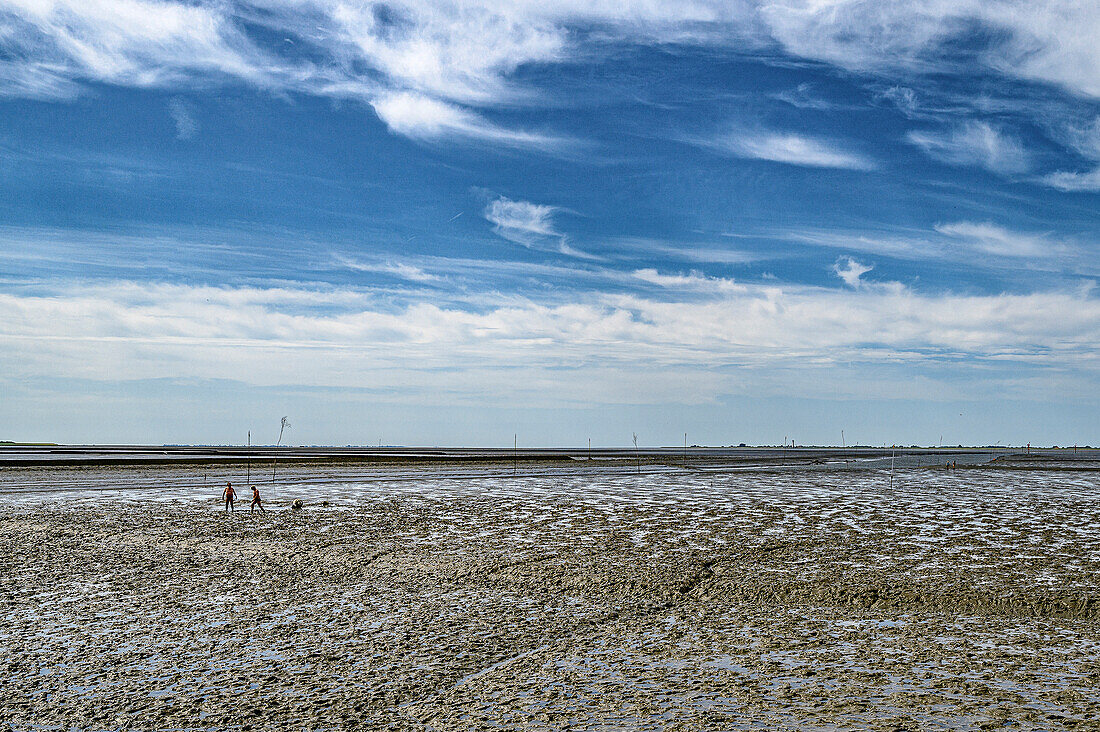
(974, 143)
(531, 225)
(421, 117)
(466, 55)
(789, 148)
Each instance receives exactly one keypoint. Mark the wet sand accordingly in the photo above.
(691, 601)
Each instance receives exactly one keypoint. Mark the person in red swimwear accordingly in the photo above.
(228, 494)
(256, 501)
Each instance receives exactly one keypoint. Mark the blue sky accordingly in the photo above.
(447, 223)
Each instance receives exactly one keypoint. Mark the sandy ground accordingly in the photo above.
(761, 600)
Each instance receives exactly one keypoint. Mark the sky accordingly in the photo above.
(463, 223)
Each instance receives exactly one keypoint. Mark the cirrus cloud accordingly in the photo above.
(421, 117)
(1087, 181)
(974, 143)
(470, 53)
(531, 225)
(789, 148)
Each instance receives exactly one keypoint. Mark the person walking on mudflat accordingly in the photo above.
(256, 501)
(229, 494)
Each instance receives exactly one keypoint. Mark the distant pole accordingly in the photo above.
(590, 448)
(248, 457)
(283, 424)
(842, 443)
(637, 454)
(515, 453)
(685, 450)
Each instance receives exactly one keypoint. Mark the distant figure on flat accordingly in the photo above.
(256, 501)
(228, 495)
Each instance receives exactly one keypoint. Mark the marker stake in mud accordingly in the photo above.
(283, 424)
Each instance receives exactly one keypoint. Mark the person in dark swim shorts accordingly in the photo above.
(228, 494)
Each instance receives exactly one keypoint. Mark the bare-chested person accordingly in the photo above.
(256, 501)
(228, 494)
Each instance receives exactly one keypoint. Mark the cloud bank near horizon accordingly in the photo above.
(730, 336)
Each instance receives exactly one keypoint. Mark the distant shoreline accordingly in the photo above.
(12, 455)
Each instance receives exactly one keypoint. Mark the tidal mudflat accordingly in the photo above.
(686, 600)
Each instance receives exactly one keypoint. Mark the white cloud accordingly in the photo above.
(851, 271)
(466, 50)
(903, 245)
(531, 225)
(402, 270)
(791, 149)
(1071, 181)
(1085, 139)
(415, 115)
(461, 51)
(346, 338)
(131, 42)
(861, 34)
(183, 116)
(973, 244)
(1052, 41)
(34, 80)
(693, 281)
(466, 54)
(974, 143)
(570, 251)
(904, 98)
(408, 272)
(804, 96)
(992, 239)
(521, 221)
(420, 117)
